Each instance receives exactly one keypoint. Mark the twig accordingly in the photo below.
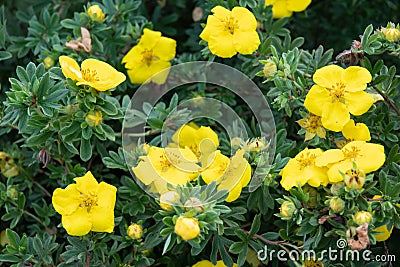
(387, 100)
(264, 239)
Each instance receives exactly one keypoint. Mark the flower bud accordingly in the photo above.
(336, 204)
(95, 13)
(7, 165)
(287, 209)
(255, 145)
(362, 217)
(12, 193)
(391, 33)
(313, 196)
(195, 204)
(4, 239)
(236, 142)
(48, 62)
(135, 231)
(187, 228)
(354, 179)
(337, 188)
(269, 69)
(167, 198)
(93, 118)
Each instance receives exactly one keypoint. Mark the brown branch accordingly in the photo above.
(264, 239)
(387, 100)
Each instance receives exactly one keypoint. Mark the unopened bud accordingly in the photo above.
(287, 209)
(95, 13)
(48, 62)
(93, 118)
(269, 69)
(187, 228)
(195, 204)
(337, 188)
(167, 198)
(354, 178)
(363, 217)
(135, 231)
(336, 204)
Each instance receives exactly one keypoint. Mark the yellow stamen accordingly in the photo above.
(90, 75)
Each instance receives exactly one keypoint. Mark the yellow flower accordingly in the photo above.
(95, 13)
(206, 263)
(48, 62)
(356, 132)
(230, 32)
(313, 126)
(201, 140)
(167, 198)
(312, 263)
(302, 169)
(336, 204)
(166, 165)
(86, 206)
(4, 239)
(362, 217)
(149, 57)
(337, 93)
(135, 231)
(95, 73)
(231, 175)
(187, 228)
(354, 178)
(285, 8)
(382, 233)
(93, 118)
(287, 209)
(391, 32)
(368, 157)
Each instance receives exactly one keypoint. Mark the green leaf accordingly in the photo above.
(108, 108)
(256, 225)
(9, 258)
(85, 149)
(4, 55)
(237, 247)
(13, 238)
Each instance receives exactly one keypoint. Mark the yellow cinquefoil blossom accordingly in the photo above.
(313, 126)
(285, 8)
(231, 175)
(86, 206)
(368, 157)
(94, 73)
(201, 140)
(362, 217)
(93, 118)
(95, 13)
(230, 32)
(206, 263)
(7, 165)
(166, 165)
(356, 132)
(187, 228)
(337, 93)
(302, 169)
(149, 57)
(391, 32)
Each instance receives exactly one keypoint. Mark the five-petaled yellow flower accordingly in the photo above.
(356, 131)
(86, 206)
(368, 157)
(337, 93)
(150, 56)
(230, 32)
(302, 169)
(285, 8)
(313, 126)
(94, 73)
(161, 166)
(230, 174)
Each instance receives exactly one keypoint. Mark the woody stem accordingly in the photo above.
(387, 100)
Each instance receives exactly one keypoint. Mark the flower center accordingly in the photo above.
(90, 75)
(231, 24)
(148, 56)
(306, 159)
(351, 153)
(337, 92)
(88, 201)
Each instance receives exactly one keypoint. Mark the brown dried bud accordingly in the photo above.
(360, 240)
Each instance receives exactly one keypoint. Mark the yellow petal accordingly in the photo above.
(66, 201)
(316, 98)
(149, 38)
(291, 175)
(87, 183)
(222, 44)
(328, 76)
(212, 28)
(245, 42)
(359, 102)
(328, 157)
(356, 78)
(70, 68)
(234, 193)
(145, 172)
(100, 75)
(102, 219)
(160, 70)
(357, 131)
(382, 233)
(133, 57)
(370, 157)
(335, 116)
(220, 12)
(316, 176)
(78, 223)
(107, 195)
(142, 72)
(334, 172)
(216, 169)
(203, 263)
(165, 49)
(309, 136)
(245, 18)
(280, 10)
(297, 5)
